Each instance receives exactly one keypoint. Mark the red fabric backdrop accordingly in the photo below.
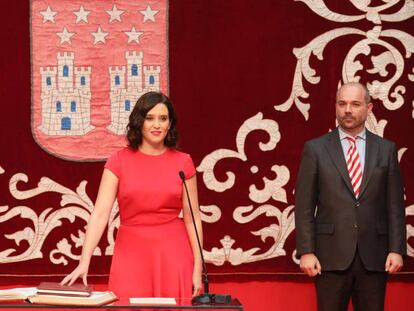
(231, 62)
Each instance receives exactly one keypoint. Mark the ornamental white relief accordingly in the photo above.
(411, 78)
(278, 232)
(379, 90)
(374, 125)
(388, 91)
(272, 190)
(254, 123)
(409, 211)
(73, 205)
(372, 14)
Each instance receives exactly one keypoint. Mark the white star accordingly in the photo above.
(99, 35)
(48, 15)
(115, 14)
(65, 36)
(149, 14)
(133, 35)
(81, 15)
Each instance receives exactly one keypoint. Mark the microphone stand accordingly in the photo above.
(206, 297)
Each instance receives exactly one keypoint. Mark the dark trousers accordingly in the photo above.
(365, 288)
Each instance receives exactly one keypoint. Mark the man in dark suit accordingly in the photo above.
(349, 213)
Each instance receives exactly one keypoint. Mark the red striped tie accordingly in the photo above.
(354, 166)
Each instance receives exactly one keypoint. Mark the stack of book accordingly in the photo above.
(50, 293)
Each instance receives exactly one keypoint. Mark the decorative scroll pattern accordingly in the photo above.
(389, 92)
(73, 205)
(379, 90)
(273, 189)
(372, 14)
(254, 123)
(265, 202)
(278, 232)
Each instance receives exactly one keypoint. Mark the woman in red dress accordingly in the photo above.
(156, 252)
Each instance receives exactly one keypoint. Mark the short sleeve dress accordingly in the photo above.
(152, 255)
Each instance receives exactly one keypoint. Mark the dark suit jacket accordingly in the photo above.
(331, 222)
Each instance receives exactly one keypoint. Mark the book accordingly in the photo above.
(20, 293)
(153, 301)
(54, 288)
(95, 299)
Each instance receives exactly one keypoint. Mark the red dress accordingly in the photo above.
(152, 255)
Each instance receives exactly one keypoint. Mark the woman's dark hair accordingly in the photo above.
(137, 117)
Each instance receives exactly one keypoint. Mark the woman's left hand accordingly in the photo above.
(196, 283)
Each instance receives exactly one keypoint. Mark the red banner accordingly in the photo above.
(91, 60)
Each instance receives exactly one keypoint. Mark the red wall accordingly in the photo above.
(195, 81)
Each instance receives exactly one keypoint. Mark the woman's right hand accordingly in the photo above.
(81, 271)
(96, 225)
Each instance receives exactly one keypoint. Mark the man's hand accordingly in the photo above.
(310, 264)
(394, 263)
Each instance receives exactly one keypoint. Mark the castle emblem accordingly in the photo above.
(66, 94)
(65, 98)
(128, 83)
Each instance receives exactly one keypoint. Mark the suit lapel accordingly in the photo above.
(371, 154)
(334, 148)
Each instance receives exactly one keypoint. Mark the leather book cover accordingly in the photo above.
(54, 288)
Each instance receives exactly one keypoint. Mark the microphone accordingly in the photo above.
(205, 298)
